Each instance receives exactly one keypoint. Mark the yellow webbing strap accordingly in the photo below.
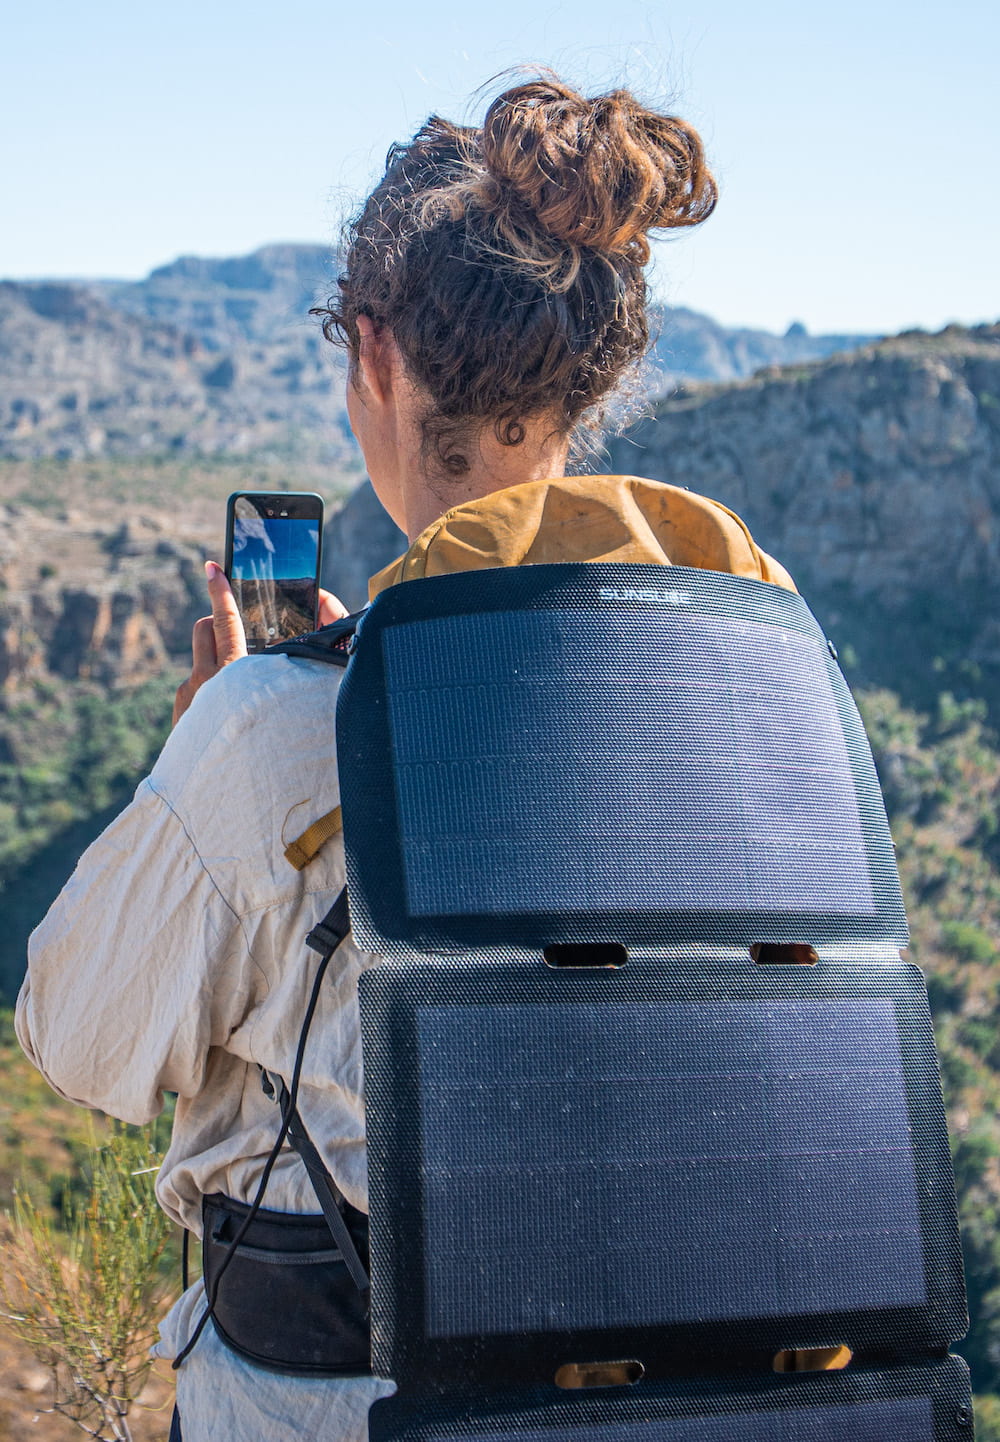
(302, 850)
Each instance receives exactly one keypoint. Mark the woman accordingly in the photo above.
(493, 298)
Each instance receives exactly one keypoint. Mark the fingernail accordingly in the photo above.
(212, 570)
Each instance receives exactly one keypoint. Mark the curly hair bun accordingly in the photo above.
(598, 172)
(508, 260)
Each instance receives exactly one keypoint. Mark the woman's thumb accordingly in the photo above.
(227, 625)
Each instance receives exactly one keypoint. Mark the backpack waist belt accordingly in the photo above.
(287, 1302)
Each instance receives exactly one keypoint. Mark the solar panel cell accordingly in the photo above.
(534, 755)
(687, 787)
(615, 1166)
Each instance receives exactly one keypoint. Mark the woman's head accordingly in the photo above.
(507, 260)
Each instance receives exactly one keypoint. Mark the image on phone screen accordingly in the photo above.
(274, 571)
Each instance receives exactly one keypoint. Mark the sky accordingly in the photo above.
(855, 144)
(274, 550)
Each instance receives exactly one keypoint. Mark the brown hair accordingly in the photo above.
(507, 260)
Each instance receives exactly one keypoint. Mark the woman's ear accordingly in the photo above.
(376, 357)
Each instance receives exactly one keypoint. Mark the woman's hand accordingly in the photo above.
(219, 638)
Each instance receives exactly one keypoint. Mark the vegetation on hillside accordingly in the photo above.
(49, 1155)
(941, 779)
(194, 488)
(70, 756)
(70, 751)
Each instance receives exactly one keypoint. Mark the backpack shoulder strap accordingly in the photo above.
(330, 643)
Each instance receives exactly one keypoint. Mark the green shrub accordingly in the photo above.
(968, 944)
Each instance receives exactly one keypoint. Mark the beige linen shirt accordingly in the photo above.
(174, 958)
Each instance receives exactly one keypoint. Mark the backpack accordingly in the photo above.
(657, 1148)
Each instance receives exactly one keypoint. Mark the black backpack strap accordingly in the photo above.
(328, 1194)
(325, 937)
(331, 643)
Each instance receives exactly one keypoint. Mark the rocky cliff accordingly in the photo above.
(86, 596)
(875, 477)
(110, 603)
(358, 541)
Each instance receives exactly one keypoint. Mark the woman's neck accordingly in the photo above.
(388, 417)
(493, 467)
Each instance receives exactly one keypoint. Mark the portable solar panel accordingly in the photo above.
(907, 1404)
(659, 754)
(647, 1083)
(691, 1164)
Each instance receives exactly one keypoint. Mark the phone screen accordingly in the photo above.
(273, 564)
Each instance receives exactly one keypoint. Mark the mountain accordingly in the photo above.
(181, 364)
(220, 357)
(263, 297)
(260, 296)
(689, 346)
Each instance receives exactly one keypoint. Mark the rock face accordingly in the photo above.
(874, 477)
(110, 605)
(113, 603)
(358, 541)
(865, 471)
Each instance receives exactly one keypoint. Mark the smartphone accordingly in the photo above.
(273, 553)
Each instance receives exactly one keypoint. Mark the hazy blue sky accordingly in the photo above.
(856, 143)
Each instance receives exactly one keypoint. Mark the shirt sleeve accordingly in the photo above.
(138, 969)
(170, 935)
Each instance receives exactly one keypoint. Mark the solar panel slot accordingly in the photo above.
(775, 953)
(812, 1359)
(577, 955)
(573, 1375)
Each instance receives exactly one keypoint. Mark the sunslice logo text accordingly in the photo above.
(629, 593)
